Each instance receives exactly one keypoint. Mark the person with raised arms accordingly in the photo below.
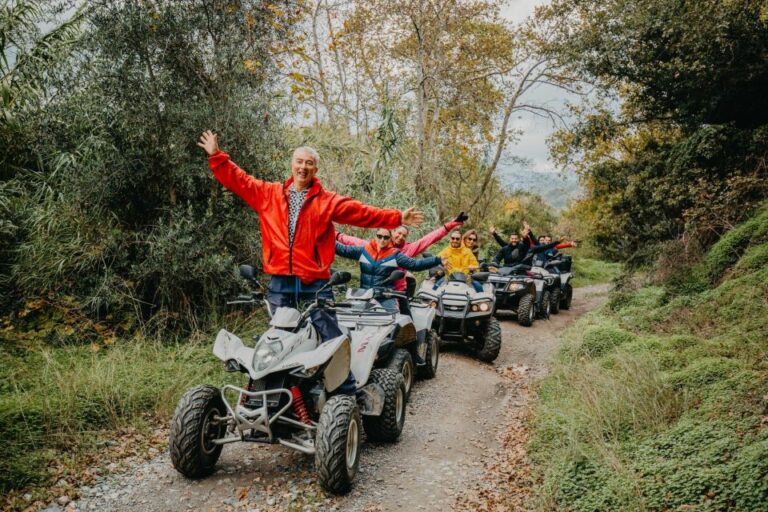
(297, 219)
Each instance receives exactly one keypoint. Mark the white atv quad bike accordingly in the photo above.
(463, 314)
(292, 398)
(404, 343)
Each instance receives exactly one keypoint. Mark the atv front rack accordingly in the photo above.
(259, 419)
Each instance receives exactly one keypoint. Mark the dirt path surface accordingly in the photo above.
(462, 425)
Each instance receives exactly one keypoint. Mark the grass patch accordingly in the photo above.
(58, 405)
(657, 399)
(588, 271)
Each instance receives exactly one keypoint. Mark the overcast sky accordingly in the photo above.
(532, 144)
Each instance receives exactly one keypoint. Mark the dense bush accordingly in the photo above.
(657, 401)
(111, 202)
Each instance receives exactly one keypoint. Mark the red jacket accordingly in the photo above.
(314, 243)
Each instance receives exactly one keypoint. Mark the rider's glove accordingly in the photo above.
(461, 217)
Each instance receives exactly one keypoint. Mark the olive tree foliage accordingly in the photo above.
(453, 73)
(28, 59)
(122, 212)
(684, 154)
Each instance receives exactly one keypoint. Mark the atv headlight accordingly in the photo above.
(266, 354)
(475, 307)
(485, 306)
(513, 287)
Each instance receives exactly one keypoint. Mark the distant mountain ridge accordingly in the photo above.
(556, 188)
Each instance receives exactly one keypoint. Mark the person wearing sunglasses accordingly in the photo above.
(378, 258)
(470, 241)
(459, 258)
(411, 249)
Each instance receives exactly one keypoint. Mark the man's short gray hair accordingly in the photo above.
(311, 151)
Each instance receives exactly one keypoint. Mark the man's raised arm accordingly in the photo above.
(229, 174)
(355, 213)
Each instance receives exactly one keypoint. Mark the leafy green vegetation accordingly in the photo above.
(658, 399)
(684, 153)
(58, 403)
(592, 271)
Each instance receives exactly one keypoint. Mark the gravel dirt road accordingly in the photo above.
(462, 436)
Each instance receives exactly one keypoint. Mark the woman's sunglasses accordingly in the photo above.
(472, 239)
(382, 237)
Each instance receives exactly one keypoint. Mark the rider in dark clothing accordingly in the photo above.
(516, 249)
(513, 255)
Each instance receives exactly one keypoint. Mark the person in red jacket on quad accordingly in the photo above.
(296, 219)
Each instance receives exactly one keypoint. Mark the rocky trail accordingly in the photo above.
(464, 437)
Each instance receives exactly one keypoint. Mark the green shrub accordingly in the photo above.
(697, 462)
(602, 339)
(703, 372)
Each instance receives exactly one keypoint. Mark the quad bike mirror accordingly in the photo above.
(436, 272)
(480, 277)
(247, 272)
(396, 275)
(339, 278)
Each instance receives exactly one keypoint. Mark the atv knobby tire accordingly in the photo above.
(489, 341)
(429, 370)
(337, 443)
(388, 426)
(193, 429)
(555, 302)
(546, 305)
(402, 362)
(565, 301)
(526, 310)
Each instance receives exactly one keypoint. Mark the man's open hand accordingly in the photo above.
(209, 141)
(412, 217)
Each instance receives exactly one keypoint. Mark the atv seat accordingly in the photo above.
(457, 277)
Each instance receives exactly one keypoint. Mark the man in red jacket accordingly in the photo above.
(296, 219)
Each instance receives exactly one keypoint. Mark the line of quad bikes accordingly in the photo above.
(294, 393)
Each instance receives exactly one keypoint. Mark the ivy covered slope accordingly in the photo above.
(660, 399)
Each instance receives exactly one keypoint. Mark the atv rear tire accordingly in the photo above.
(193, 430)
(546, 305)
(491, 341)
(526, 310)
(388, 426)
(565, 300)
(402, 362)
(555, 302)
(337, 443)
(432, 358)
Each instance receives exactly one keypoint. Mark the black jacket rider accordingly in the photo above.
(515, 254)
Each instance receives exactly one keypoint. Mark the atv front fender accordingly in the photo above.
(336, 353)
(229, 347)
